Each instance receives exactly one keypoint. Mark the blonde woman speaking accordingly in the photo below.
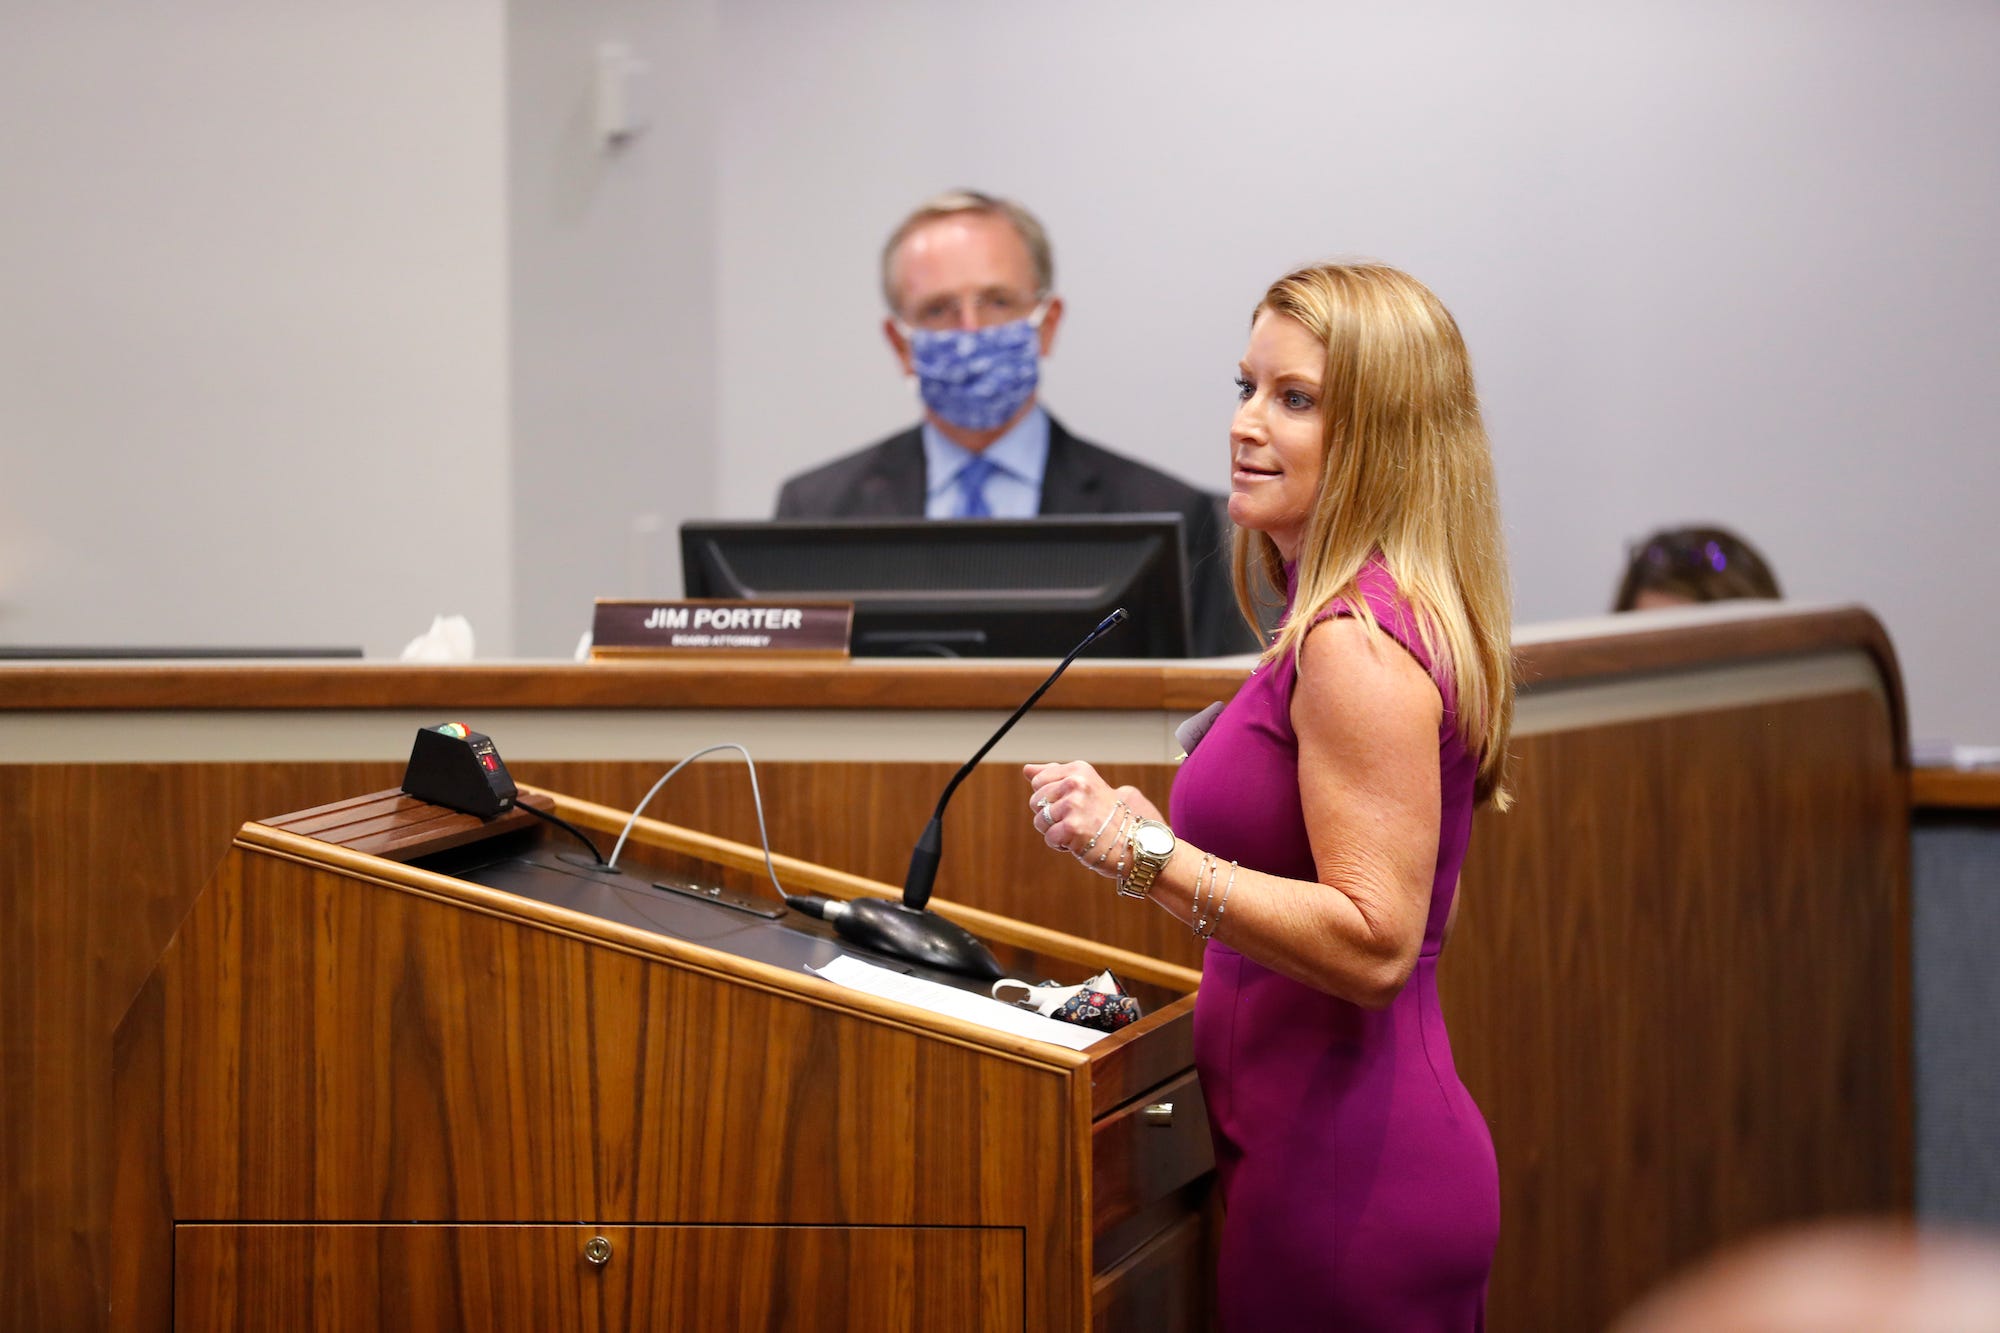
(1318, 828)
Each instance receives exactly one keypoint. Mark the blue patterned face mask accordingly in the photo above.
(977, 379)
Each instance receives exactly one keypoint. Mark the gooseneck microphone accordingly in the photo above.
(907, 929)
(930, 843)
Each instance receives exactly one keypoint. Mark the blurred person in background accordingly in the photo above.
(1682, 566)
(1834, 1277)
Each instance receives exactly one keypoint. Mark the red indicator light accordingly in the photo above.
(490, 762)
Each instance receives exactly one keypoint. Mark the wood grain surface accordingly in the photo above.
(1142, 1152)
(1676, 987)
(99, 865)
(532, 1279)
(1679, 990)
(326, 1048)
(1612, 647)
(397, 827)
(1955, 788)
(1163, 1288)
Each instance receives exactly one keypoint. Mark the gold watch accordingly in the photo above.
(1152, 844)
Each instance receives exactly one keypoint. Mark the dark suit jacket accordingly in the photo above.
(886, 480)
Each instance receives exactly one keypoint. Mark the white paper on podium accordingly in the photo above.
(942, 999)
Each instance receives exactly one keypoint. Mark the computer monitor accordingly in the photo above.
(962, 587)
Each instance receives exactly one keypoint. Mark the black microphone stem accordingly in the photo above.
(929, 850)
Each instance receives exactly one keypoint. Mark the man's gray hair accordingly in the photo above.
(952, 202)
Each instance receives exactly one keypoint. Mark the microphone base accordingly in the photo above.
(920, 937)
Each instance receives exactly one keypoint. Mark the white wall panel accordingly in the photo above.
(252, 322)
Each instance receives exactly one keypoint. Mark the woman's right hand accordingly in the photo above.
(1077, 811)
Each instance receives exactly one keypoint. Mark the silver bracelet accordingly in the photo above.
(1124, 846)
(1116, 806)
(1207, 867)
(1105, 855)
(1221, 906)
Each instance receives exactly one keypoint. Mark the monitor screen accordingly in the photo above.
(1026, 587)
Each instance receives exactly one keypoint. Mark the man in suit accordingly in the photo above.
(970, 285)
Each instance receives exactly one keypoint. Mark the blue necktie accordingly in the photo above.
(971, 483)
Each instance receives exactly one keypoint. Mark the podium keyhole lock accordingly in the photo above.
(1159, 1113)
(598, 1250)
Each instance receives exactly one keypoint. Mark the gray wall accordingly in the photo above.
(613, 306)
(253, 375)
(1715, 261)
(280, 276)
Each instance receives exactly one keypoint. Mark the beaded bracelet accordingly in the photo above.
(1206, 930)
(1116, 806)
(1207, 867)
(1124, 845)
(1105, 855)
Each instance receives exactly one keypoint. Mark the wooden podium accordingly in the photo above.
(360, 1090)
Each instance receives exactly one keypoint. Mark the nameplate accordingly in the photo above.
(622, 628)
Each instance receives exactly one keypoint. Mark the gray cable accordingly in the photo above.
(756, 799)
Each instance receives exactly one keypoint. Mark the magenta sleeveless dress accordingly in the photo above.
(1358, 1178)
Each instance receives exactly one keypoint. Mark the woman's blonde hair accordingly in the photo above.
(1409, 475)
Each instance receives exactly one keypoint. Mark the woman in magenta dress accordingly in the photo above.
(1318, 828)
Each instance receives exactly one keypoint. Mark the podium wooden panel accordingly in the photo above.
(527, 1279)
(356, 1093)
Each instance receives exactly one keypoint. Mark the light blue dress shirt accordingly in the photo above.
(1020, 457)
